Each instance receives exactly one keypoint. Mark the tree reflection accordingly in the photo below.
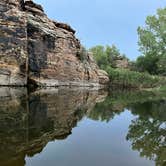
(29, 121)
(105, 111)
(147, 133)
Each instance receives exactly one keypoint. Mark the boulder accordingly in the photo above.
(121, 62)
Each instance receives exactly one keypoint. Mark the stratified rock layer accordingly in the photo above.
(37, 50)
(13, 44)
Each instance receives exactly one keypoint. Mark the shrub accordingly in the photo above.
(132, 79)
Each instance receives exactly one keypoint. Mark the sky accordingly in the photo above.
(104, 22)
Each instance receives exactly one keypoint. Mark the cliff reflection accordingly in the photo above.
(29, 122)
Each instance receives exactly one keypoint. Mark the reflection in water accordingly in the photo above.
(29, 121)
(148, 132)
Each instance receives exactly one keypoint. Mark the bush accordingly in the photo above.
(132, 79)
(82, 54)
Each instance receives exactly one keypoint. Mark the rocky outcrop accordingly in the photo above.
(36, 50)
(121, 62)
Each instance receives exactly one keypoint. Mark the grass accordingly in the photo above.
(132, 79)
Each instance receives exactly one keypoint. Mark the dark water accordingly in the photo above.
(74, 127)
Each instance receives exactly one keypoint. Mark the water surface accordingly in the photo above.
(78, 127)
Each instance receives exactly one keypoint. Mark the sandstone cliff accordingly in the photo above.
(37, 50)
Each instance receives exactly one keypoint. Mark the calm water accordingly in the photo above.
(74, 127)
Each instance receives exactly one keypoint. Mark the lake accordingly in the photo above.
(82, 127)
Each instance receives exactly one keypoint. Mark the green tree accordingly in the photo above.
(106, 56)
(100, 56)
(161, 64)
(152, 42)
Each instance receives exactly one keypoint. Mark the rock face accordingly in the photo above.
(37, 50)
(121, 62)
(13, 43)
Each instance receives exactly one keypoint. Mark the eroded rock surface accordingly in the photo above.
(121, 62)
(37, 50)
(13, 43)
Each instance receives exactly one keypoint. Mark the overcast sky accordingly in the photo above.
(104, 22)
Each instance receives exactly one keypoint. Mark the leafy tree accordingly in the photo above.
(152, 42)
(106, 56)
(100, 55)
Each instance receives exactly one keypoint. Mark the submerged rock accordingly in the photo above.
(37, 50)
